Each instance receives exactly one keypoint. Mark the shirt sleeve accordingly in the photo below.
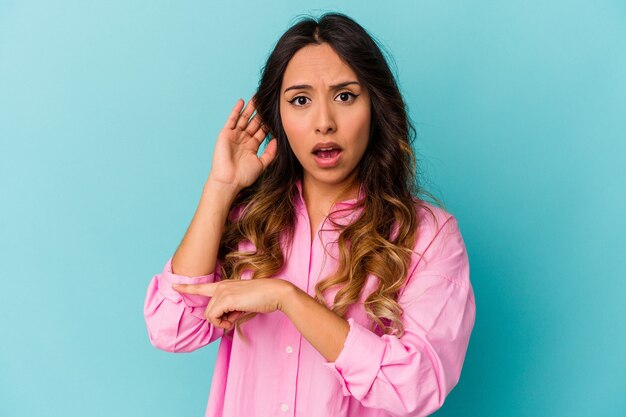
(176, 321)
(413, 374)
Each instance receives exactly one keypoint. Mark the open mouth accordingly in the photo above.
(327, 153)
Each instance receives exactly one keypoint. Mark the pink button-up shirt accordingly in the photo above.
(281, 374)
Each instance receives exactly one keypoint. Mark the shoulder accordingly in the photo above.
(432, 221)
(439, 248)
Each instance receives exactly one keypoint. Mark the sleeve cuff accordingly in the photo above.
(358, 362)
(166, 278)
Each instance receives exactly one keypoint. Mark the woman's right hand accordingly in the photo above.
(235, 161)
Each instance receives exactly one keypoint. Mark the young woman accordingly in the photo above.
(333, 288)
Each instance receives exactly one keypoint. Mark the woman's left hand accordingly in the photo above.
(231, 298)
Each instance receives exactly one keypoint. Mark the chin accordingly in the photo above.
(334, 178)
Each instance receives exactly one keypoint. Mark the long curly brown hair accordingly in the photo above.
(381, 240)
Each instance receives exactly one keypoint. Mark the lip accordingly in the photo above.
(328, 162)
(321, 145)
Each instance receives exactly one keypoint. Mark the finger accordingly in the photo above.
(227, 320)
(199, 289)
(209, 309)
(225, 324)
(269, 153)
(242, 122)
(233, 315)
(219, 321)
(254, 124)
(260, 134)
(234, 115)
(217, 311)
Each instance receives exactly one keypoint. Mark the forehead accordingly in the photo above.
(317, 65)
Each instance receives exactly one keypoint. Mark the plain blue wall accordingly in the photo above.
(108, 116)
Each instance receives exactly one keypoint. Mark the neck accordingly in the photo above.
(320, 196)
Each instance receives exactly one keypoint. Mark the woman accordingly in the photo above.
(356, 292)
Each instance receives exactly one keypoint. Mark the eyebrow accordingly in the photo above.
(306, 86)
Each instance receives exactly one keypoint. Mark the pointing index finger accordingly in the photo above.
(199, 289)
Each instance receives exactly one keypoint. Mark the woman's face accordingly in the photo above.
(322, 105)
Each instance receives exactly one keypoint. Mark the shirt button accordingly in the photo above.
(289, 349)
(284, 407)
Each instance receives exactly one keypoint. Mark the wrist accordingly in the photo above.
(214, 187)
(287, 294)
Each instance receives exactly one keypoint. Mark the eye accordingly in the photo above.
(347, 97)
(298, 101)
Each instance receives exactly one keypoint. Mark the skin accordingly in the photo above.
(318, 113)
(322, 113)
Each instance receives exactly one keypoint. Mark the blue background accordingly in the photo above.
(108, 117)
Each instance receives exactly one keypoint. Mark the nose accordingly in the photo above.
(325, 121)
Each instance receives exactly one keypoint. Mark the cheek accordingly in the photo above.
(361, 124)
(365, 124)
(295, 130)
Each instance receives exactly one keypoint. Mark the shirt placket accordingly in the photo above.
(290, 343)
(289, 351)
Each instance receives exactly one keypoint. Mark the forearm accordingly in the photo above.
(324, 329)
(197, 253)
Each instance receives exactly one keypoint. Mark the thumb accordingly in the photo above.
(269, 153)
